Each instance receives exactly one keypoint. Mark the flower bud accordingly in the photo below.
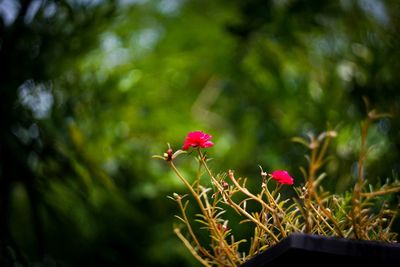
(222, 227)
(168, 155)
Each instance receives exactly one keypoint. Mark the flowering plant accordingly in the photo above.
(272, 217)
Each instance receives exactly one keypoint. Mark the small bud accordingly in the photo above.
(169, 154)
(304, 191)
(225, 185)
(331, 134)
(314, 144)
(177, 196)
(222, 227)
(263, 173)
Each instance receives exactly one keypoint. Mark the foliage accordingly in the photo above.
(312, 209)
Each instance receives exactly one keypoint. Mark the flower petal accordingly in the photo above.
(282, 177)
(197, 139)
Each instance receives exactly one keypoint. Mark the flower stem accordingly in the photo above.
(190, 247)
(207, 212)
(189, 227)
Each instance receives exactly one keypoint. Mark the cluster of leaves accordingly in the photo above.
(312, 209)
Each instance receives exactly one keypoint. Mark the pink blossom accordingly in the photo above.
(197, 139)
(282, 177)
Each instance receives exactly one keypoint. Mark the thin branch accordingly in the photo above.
(190, 248)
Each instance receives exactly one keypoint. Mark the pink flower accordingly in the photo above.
(197, 139)
(282, 177)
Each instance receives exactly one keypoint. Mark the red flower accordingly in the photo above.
(282, 177)
(197, 139)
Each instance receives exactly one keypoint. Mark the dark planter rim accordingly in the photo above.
(308, 248)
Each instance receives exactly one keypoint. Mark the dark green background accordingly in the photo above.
(90, 90)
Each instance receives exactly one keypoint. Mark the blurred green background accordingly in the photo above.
(91, 89)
